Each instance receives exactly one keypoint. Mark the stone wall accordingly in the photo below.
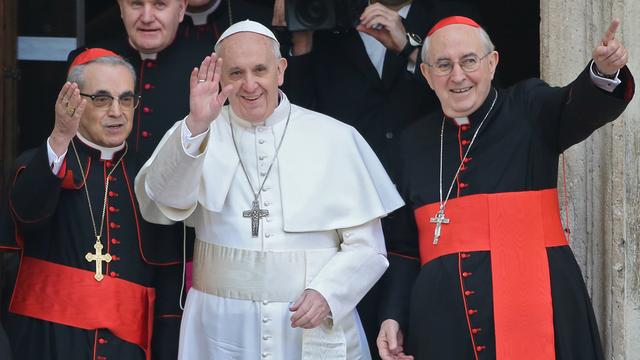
(603, 172)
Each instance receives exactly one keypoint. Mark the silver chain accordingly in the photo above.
(106, 189)
(444, 203)
(275, 156)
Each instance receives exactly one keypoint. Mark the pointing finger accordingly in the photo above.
(611, 32)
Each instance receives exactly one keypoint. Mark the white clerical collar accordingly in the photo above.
(144, 56)
(200, 18)
(280, 113)
(106, 153)
(462, 121)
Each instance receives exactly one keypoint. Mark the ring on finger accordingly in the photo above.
(71, 110)
(201, 81)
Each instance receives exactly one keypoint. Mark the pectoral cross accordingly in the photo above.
(255, 213)
(98, 258)
(438, 220)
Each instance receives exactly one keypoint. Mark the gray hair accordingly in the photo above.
(484, 37)
(274, 43)
(76, 74)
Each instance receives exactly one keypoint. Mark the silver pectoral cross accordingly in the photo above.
(98, 258)
(439, 219)
(255, 213)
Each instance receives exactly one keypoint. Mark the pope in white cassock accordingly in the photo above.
(286, 204)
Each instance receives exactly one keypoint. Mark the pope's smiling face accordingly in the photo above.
(251, 66)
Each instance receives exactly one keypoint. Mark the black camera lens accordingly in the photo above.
(313, 13)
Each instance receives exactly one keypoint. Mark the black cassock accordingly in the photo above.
(451, 311)
(55, 232)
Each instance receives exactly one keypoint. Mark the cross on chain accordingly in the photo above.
(98, 258)
(255, 213)
(438, 220)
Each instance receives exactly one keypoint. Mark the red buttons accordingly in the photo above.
(101, 357)
(150, 64)
(466, 160)
(464, 127)
(463, 168)
(480, 348)
(476, 330)
(469, 292)
(115, 257)
(466, 274)
(463, 185)
(115, 241)
(465, 255)
(112, 178)
(464, 142)
(472, 312)
(113, 194)
(145, 134)
(102, 341)
(114, 274)
(146, 109)
(114, 225)
(148, 86)
(113, 209)
(108, 163)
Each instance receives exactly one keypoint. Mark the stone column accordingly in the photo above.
(603, 172)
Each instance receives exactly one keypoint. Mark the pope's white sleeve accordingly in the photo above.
(353, 270)
(171, 177)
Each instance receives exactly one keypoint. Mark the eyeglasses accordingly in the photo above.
(129, 101)
(468, 63)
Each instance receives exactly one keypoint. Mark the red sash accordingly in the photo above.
(516, 228)
(71, 296)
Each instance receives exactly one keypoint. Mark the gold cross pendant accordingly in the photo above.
(98, 258)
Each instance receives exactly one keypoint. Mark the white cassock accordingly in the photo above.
(325, 195)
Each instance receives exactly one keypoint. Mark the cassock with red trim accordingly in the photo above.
(56, 303)
(501, 283)
(58, 310)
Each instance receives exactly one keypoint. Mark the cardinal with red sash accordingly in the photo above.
(482, 256)
(85, 289)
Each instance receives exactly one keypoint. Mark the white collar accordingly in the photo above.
(200, 18)
(106, 153)
(404, 11)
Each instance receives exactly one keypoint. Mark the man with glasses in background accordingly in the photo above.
(84, 289)
(497, 278)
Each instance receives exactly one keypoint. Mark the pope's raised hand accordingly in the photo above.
(205, 96)
(610, 56)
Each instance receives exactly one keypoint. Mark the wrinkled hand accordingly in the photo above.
(205, 97)
(610, 56)
(385, 25)
(390, 341)
(309, 310)
(68, 109)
